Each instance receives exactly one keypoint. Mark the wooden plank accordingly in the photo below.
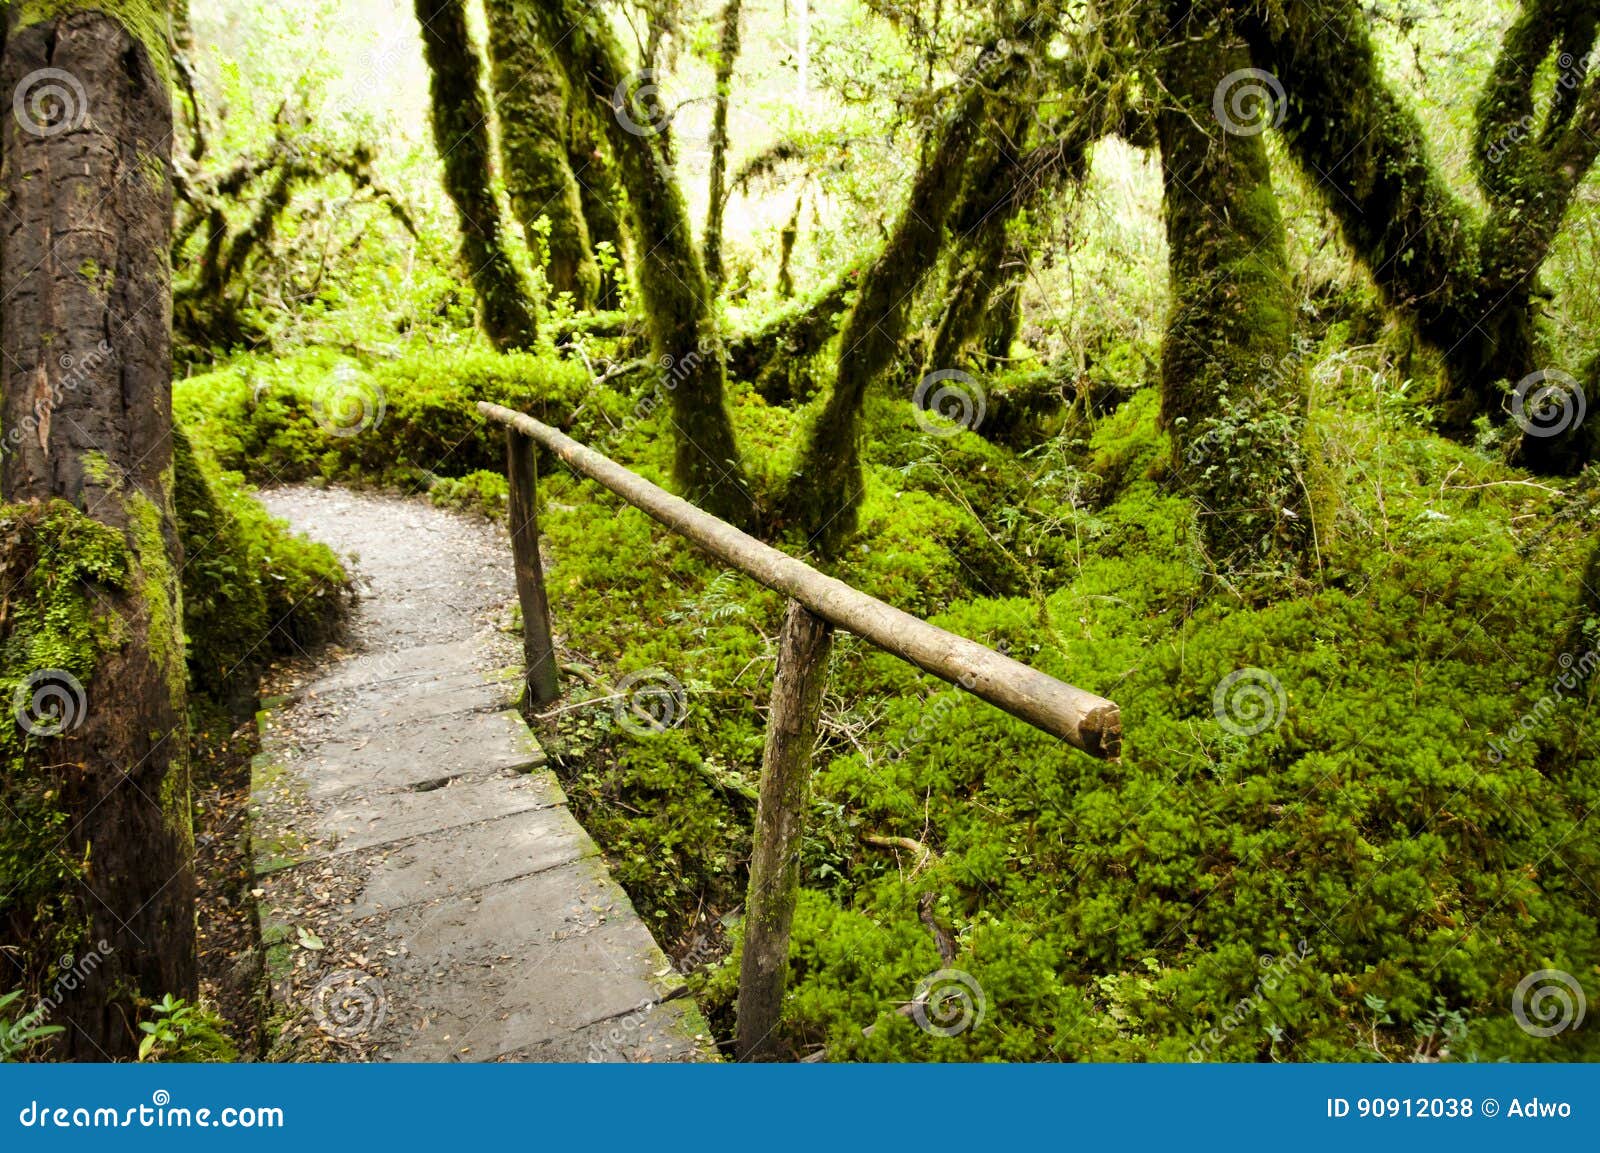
(780, 824)
(1077, 716)
(538, 646)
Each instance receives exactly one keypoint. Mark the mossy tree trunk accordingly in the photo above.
(1232, 395)
(974, 178)
(461, 134)
(826, 488)
(983, 266)
(601, 196)
(86, 312)
(1469, 286)
(530, 103)
(727, 55)
(671, 279)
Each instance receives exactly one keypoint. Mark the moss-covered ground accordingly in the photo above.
(1334, 832)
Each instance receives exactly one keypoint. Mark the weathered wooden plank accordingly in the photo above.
(538, 646)
(780, 824)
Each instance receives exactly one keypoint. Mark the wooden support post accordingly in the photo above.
(780, 821)
(538, 648)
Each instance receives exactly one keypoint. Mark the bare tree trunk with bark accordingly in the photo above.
(86, 312)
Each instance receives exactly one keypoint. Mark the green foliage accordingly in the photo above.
(1135, 910)
(17, 1037)
(482, 492)
(1369, 877)
(55, 562)
(178, 1031)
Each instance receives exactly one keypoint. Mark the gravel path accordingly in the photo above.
(425, 893)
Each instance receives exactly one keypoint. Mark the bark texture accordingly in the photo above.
(461, 134)
(774, 888)
(823, 494)
(85, 308)
(602, 198)
(727, 56)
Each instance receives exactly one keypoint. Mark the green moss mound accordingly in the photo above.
(401, 422)
(252, 590)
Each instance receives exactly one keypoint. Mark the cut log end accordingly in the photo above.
(1101, 730)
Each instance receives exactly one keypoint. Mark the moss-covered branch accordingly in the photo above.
(727, 56)
(1469, 285)
(827, 485)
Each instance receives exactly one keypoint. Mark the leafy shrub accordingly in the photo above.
(178, 1031)
(319, 413)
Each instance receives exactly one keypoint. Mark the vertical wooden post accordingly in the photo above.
(538, 649)
(780, 821)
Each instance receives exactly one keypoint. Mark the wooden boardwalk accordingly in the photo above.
(426, 894)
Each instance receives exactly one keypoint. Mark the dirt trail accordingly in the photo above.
(427, 896)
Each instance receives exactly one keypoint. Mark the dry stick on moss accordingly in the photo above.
(461, 134)
(923, 852)
(531, 111)
(671, 279)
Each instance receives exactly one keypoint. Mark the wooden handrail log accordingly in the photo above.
(1077, 716)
